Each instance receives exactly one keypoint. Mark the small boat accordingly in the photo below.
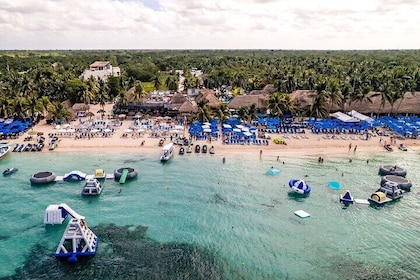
(197, 148)
(211, 151)
(346, 198)
(9, 171)
(92, 187)
(181, 151)
(204, 149)
(16, 148)
(28, 147)
(402, 147)
(34, 148)
(53, 143)
(386, 193)
(4, 151)
(167, 152)
(189, 149)
(388, 148)
(99, 174)
(299, 186)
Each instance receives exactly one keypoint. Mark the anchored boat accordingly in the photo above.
(10, 170)
(167, 152)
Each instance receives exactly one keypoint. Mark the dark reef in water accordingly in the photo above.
(126, 253)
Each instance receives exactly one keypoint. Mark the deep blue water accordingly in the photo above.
(231, 217)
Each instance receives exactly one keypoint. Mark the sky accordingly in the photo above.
(209, 24)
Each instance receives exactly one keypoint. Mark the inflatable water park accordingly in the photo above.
(299, 186)
(120, 174)
(78, 239)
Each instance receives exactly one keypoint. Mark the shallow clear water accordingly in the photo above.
(233, 211)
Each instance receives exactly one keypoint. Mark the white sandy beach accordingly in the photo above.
(312, 144)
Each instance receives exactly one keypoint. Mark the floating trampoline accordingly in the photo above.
(299, 186)
(132, 173)
(392, 170)
(273, 171)
(334, 185)
(42, 177)
(402, 183)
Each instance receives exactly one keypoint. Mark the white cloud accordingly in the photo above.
(269, 24)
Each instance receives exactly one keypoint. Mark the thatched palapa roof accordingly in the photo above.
(247, 100)
(213, 102)
(178, 99)
(187, 107)
(78, 107)
(267, 90)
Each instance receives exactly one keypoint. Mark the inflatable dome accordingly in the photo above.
(299, 186)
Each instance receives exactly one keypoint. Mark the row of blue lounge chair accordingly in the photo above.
(228, 141)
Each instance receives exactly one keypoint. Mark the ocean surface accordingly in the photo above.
(197, 218)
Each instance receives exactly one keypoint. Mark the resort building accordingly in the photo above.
(101, 70)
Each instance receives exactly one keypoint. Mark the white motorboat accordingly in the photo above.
(167, 152)
(4, 151)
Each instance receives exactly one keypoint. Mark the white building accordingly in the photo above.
(101, 70)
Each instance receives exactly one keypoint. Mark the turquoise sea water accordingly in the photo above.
(233, 214)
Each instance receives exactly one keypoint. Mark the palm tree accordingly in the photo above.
(33, 104)
(102, 97)
(44, 104)
(93, 86)
(87, 96)
(5, 106)
(59, 112)
(243, 113)
(139, 93)
(275, 104)
(318, 108)
(222, 112)
(19, 106)
(122, 98)
(252, 112)
(204, 113)
(156, 81)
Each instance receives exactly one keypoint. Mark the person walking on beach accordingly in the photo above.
(349, 147)
(355, 148)
(260, 154)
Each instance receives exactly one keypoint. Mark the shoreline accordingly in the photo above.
(311, 144)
